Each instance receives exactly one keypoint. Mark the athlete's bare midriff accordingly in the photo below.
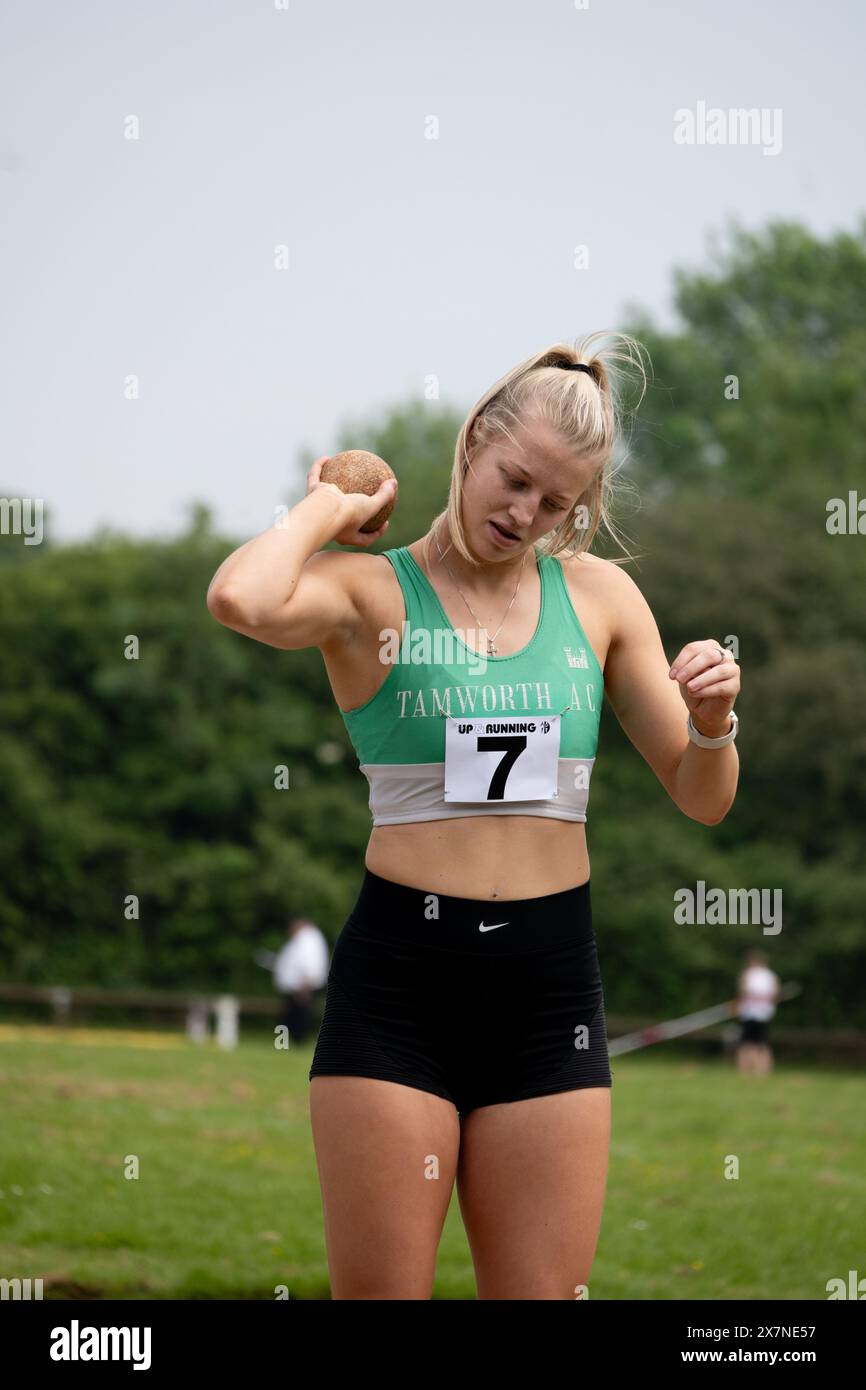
(484, 857)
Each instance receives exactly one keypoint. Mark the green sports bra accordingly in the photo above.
(452, 732)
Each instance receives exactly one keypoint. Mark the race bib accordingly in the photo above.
(496, 759)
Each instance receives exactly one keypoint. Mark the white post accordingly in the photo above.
(227, 1011)
(197, 1020)
(61, 1002)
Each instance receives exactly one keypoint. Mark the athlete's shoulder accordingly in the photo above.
(606, 576)
(361, 575)
(349, 566)
(609, 586)
(373, 582)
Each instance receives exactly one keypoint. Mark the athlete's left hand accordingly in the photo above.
(709, 681)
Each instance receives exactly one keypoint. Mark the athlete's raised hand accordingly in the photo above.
(709, 681)
(360, 506)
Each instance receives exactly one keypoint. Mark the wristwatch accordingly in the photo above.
(703, 742)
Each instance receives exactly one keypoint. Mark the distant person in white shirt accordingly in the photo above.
(757, 992)
(300, 967)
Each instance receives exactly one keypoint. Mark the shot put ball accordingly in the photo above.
(357, 471)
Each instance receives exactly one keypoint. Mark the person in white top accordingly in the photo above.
(300, 968)
(757, 992)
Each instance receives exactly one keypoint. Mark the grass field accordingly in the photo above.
(227, 1203)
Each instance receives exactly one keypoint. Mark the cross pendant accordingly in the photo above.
(491, 650)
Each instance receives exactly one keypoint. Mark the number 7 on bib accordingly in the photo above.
(502, 759)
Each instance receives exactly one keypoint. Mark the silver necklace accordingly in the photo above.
(491, 649)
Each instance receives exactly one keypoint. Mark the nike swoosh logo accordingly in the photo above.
(493, 926)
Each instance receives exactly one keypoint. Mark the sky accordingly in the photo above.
(229, 228)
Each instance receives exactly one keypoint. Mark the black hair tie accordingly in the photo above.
(576, 367)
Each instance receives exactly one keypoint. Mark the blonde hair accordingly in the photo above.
(585, 408)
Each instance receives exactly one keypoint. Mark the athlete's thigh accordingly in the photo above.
(531, 1182)
(387, 1158)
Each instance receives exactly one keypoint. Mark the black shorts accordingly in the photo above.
(477, 1001)
(753, 1030)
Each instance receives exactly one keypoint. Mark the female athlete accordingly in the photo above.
(463, 1037)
